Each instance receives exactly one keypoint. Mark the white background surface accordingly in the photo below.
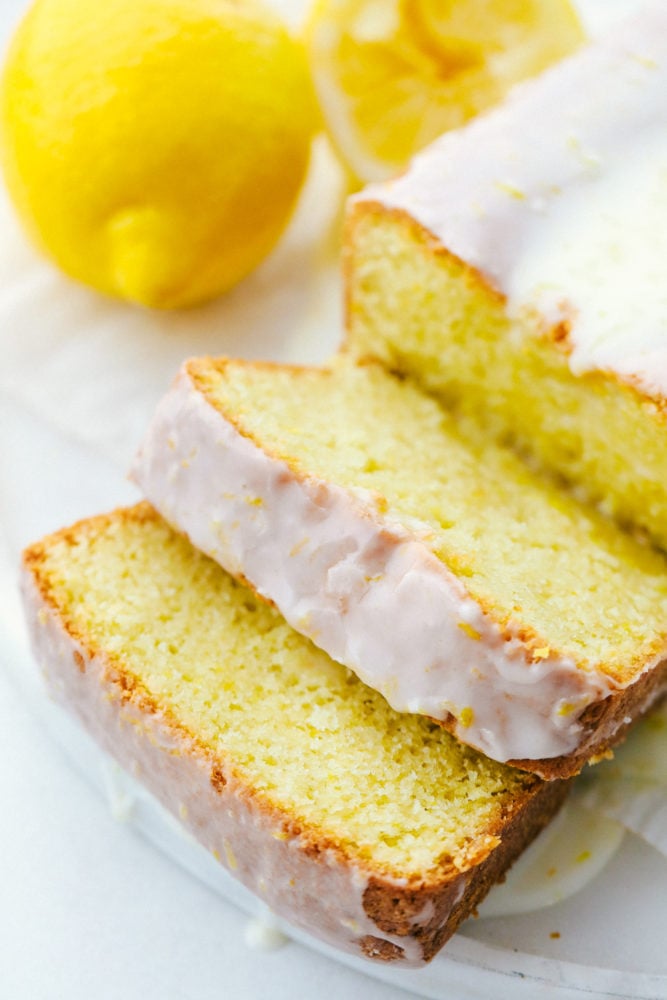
(87, 908)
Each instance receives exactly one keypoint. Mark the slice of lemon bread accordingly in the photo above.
(375, 831)
(518, 270)
(440, 569)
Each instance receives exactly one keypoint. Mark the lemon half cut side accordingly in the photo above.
(392, 75)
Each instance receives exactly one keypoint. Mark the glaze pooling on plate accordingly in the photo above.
(573, 224)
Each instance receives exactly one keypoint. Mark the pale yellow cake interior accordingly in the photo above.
(523, 547)
(427, 314)
(396, 790)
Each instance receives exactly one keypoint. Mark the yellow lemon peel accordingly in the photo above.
(155, 150)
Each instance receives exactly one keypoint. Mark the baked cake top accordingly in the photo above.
(559, 199)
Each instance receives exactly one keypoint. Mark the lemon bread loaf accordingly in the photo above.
(517, 269)
(440, 569)
(376, 831)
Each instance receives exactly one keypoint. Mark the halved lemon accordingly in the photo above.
(391, 75)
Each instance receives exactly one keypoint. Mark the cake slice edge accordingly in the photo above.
(338, 570)
(309, 880)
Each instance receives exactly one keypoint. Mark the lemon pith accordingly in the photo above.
(392, 75)
(155, 149)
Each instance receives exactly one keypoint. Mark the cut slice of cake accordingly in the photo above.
(378, 832)
(439, 568)
(518, 270)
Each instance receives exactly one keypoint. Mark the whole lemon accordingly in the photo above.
(155, 148)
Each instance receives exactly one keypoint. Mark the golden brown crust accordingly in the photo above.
(199, 369)
(393, 909)
(606, 724)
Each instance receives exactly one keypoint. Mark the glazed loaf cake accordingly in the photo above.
(517, 270)
(438, 567)
(376, 831)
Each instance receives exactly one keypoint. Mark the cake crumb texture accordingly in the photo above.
(303, 731)
(553, 570)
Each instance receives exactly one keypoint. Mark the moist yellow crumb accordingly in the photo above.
(301, 730)
(426, 314)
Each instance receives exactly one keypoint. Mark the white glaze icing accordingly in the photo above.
(559, 198)
(340, 573)
(323, 893)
